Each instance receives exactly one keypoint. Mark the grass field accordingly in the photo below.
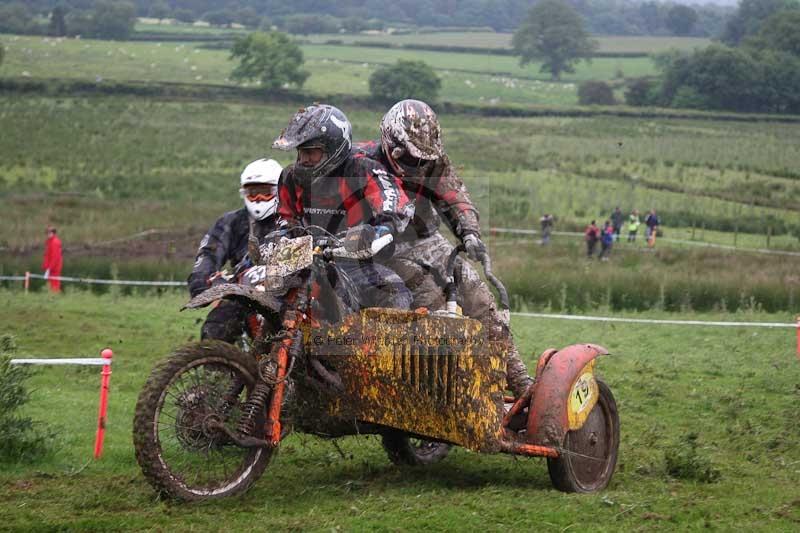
(168, 162)
(467, 78)
(188, 29)
(734, 391)
(647, 45)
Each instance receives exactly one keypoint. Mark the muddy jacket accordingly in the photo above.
(441, 194)
(225, 242)
(361, 192)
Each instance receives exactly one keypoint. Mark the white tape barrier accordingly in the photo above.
(663, 239)
(654, 321)
(97, 361)
(99, 281)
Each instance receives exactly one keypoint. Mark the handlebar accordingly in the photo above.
(377, 245)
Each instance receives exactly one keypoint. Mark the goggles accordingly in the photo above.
(262, 192)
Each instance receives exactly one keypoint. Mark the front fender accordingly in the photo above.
(234, 291)
(548, 418)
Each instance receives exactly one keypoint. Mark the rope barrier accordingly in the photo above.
(795, 325)
(674, 241)
(97, 281)
(62, 361)
(656, 321)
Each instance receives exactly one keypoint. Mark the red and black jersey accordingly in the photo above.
(442, 192)
(362, 192)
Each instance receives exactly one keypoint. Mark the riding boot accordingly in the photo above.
(517, 373)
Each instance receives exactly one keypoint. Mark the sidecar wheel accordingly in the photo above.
(178, 445)
(405, 450)
(594, 449)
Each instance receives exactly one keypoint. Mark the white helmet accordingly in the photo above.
(261, 202)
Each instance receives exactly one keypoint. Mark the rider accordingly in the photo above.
(329, 187)
(227, 241)
(411, 147)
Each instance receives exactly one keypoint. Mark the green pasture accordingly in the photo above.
(628, 44)
(597, 69)
(104, 168)
(733, 391)
(467, 78)
(188, 29)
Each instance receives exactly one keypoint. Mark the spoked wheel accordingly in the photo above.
(179, 446)
(405, 450)
(590, 453)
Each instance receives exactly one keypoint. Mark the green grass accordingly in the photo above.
(188, 29)
(736, 389)
(104, 168)
(503, 40)
(334, 69)
(597, 69)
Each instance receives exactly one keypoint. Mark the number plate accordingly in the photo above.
(582, 397)
(289, 256)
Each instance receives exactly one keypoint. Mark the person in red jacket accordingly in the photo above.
(53, 260)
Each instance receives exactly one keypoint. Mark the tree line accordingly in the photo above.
(755, 67)
(604, 17)
(102, 19)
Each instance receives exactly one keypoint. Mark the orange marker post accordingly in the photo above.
(798, 338)
(105, 377)
(27, 282)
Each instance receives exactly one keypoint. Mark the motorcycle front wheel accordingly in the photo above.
(176, 435)
(589, 454)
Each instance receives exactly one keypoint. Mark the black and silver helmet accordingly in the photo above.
(318, 126)
(411, 137)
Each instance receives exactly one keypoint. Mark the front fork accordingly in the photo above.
(272, 429)
(292, 320)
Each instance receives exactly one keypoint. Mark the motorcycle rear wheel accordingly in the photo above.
(180, 452)
(403, 449)
(589, 453)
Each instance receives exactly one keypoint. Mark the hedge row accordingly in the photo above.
(63, 87)
(464, 49)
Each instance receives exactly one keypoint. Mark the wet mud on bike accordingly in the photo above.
(211, 416)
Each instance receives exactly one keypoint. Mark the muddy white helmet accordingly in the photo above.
(259, 187)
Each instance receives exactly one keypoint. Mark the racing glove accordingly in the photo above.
(474, 246)
(361, 237)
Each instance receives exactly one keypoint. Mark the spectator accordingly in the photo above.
(617, 218)
(606, 241)
(633, 225)
(651, 223)
(591, 235)
(53, 260)
(547, 227)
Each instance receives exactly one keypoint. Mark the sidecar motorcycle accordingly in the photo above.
(211, 416)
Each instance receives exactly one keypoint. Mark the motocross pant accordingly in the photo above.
(377, 285)
(416, 261)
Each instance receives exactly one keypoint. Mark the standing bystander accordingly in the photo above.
(633, 225)
(617, 218)
(53, 260)
(606, 241)
(651, 230)
(547, 227)
(591, 236)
